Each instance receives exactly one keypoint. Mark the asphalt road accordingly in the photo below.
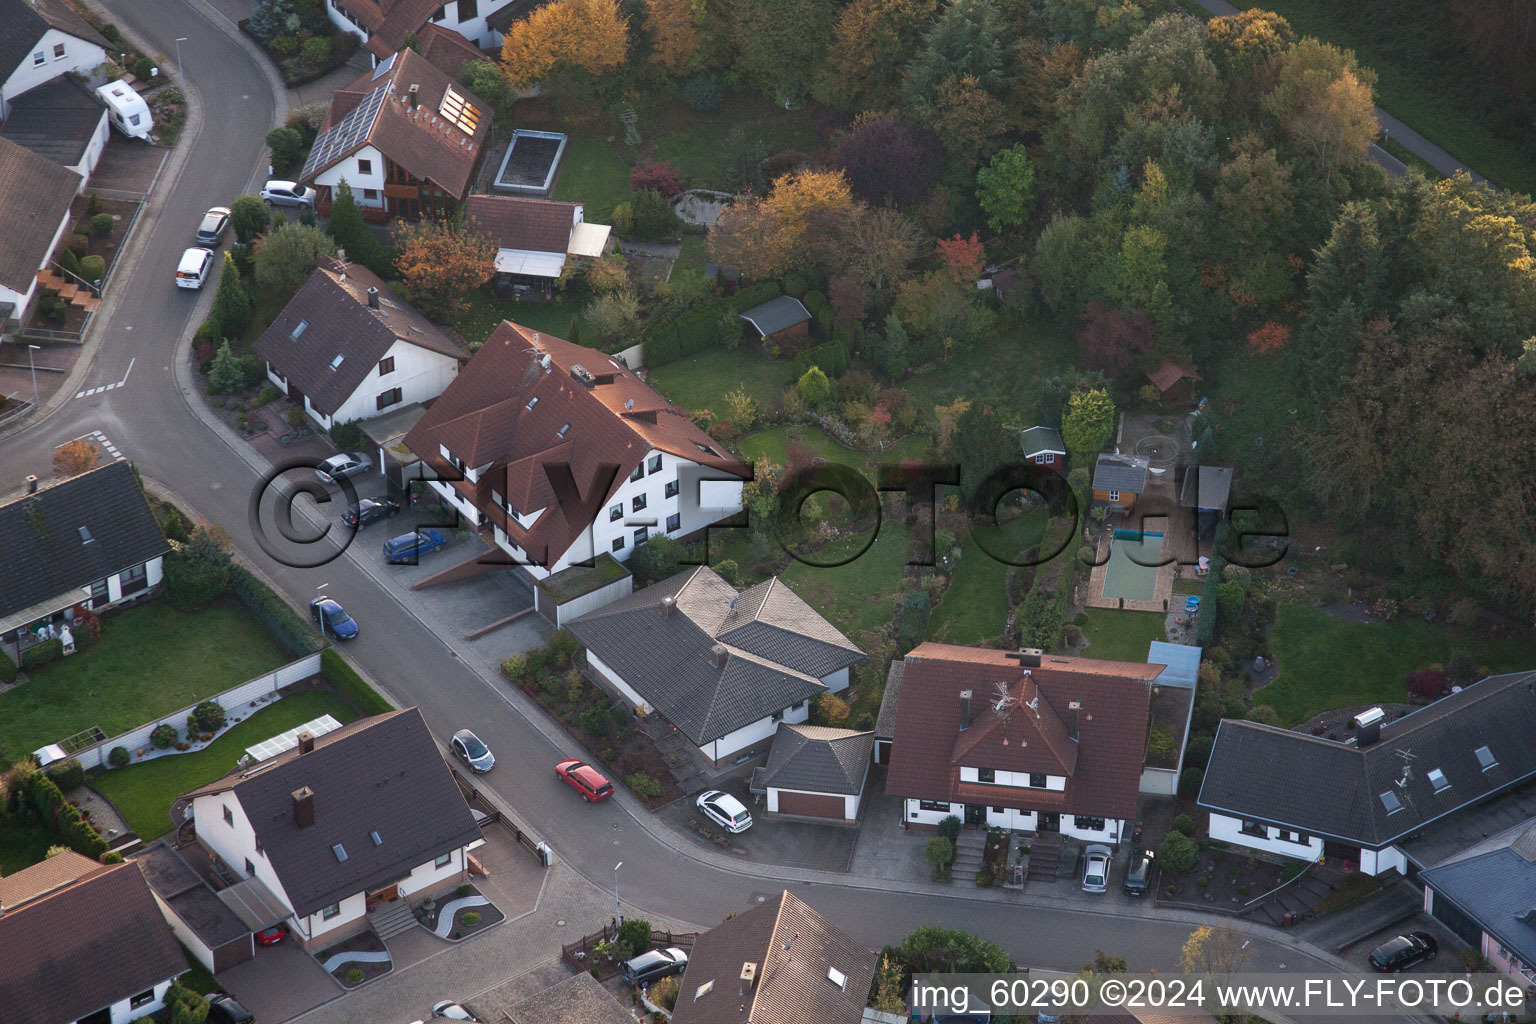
(152, 420)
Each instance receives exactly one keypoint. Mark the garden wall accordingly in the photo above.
(234, 702)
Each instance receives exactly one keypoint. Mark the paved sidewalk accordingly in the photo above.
(1337, 931)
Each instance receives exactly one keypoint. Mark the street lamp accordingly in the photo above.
(179, 40)
(33, 367)
(616, 889)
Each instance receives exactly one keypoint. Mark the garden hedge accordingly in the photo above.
(67, 774)
(291, 629)
(41, 654)
(352, 686)
(64, 818)
(8, 669)
(832, 357)
(698, 328)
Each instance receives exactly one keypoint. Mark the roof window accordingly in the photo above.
(336, 363)
(85, 535)
(1390, 801)
(340, 852)
(837, 978)
(378, 840)
(1485, 758)
(562, 430)
(298, 329)
(532, 402)
(1438, 780)
(704, 990)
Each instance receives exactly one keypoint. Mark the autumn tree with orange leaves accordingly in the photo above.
(584, 35)
(675, 32)
(764, 236)
(440, 265)
(1271, 337)
(74, 457)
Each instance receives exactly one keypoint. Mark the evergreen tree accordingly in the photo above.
(232, 303)
(967, 40)
(352, 234)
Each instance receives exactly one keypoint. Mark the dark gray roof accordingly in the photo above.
(776, 315)
(1494, 883)
(26, 22)
(1126, 474)
(778, 650)
(382, 774)
(185, 892)
(1036, 440)
(818, 759)
(1333, 789)
(56, 119)
(35, 194)
(1206, 487)
(885, 722)
(42, 551)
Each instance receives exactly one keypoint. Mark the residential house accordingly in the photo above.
(345, 348)
(405, 137)
(63, 121)
(724, 668)
(35, 195)
(1043, 447)
(534, 238)
(44, 39)
(783, 317)
(385, 26)
(88, 542)
(815, 771)
(566, 453)
(779, 961)
(1020, 740)
(1119, 479)
(1207, 490)
(1175, 383)
(578, 1000)
(1306, 797)
(342, 824)
(86, 945)
(1487, 896)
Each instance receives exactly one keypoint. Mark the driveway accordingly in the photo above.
(1448, 960)
(127, 166)
(770, 840)
(282, 981)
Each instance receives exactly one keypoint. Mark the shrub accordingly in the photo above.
(287, 146)
(634, 938)
(655, 174)
(41, 654)
(664, 992)
(316, 52)
(1184, 824)
(1190, 780)
(644, 785)
(292, 630)
(79, 244)
(1459, 666)
(102, 223)
(347, 436)
(514, 667)
(470, 919)
(984, 878)
(653, 215)
(143, 68)
(93, 205)
(118, 757)
(66, 774)
(355, 976)
(248, 215)
(1178, 853)
(949, 828)
(831, 709)
(1426, 682)
(94, 268)
(940, 852)
(70, 262)
(1264, 715)
(1466, 613)
(209, 716)
(352, 686)
(8, 669)
(163, 737)
(703, 93)
(595, 721)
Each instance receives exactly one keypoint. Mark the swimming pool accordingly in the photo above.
(1131, 573)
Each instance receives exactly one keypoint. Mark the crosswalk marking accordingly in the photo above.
(101, 441)
(109, 387)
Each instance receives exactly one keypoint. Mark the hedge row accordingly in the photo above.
(698, 328)
(8, 669)
(64, 817)
(352, 686)
(292, 630)
(41, 654)
(831, 356)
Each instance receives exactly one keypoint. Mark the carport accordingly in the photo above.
(398, 463)
(254, 904)
(213, 933)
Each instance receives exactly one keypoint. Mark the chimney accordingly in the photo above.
(373, 303)
(748, 978)
(306, 742)
(31, 483)
(1030, 656)
(965, 710)
(717, 655)
(668, 605)
(415, 95)
(303, 807)
(1368, 723)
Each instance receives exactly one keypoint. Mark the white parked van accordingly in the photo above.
(127, 110)
(193, 269)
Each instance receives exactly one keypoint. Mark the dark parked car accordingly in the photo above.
(371, 510)
(332, 619)
(222, 1009)
(211, 230)
(1138, 874)
(655, 965)
(1404, 951)
(408, 548)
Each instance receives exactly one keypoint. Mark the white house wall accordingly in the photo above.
(1379, 862)
(359, 181)
(424, 876)
(185, 935)
(836, 682)
(757, 732)
(121, 1013)
(314, 927)
(1017, 780)
(80, 56)
(341, 21)
(916, 815)
(235, 843)
(419, 373)
(599, 666)
(93, 150)
(1230, 830)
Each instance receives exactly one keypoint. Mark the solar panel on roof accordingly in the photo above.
(268, 749)
(348, 134)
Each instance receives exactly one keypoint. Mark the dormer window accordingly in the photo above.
(1438, 780)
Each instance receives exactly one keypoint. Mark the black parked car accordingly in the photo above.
(1404, 951)
(655, 965)
(371, 510)
(222, 1009)
(1138, 874)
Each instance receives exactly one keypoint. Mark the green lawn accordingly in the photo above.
(1326, 662)
(701, 381)
(22, 845)
(592, 174)
(151, 660)
(860, 597)
(975, 607)
(1004, 372)
(144, 793)
(1121, 636)
(710, 149)
(484, 312)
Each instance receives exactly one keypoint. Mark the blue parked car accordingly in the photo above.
(332, 619)
(408, 548)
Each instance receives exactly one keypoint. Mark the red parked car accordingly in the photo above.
(585, 779)
(272, 936)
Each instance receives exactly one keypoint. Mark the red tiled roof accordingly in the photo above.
(1169, 374)
(401, 18)
(1103, 765)
(448, 50)
(505, 411)
(512, 222)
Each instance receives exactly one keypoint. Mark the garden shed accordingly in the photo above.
(784, 315)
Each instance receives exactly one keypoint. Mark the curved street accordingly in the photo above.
(158, 421)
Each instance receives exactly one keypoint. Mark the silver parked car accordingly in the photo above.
(287, 193)
(468, 748)
(1096, 871)
(346, 466)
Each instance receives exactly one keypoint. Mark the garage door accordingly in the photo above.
(811, 805)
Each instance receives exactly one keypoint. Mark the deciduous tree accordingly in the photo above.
(967, 117)
(962, 258)
(248, 216)
(587, 35)
(74, 457)
(1005, 188)
(674, 29)
(935, 950)
(871, 42)
(886, 160)
(1112, 341)
(1087, 424)
(440, 265)
(287, 255)
(1322, 99)
(763, 237)
(873, 247)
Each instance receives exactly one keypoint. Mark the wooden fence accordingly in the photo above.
(494, 816)
(585, 954)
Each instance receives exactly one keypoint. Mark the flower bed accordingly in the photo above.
(354, 972)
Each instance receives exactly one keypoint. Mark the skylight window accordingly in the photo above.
(1438, 780)
(377, 839)
(340, 852)
(1390, 801)
(85, 535)
(837, 978)
(336, 363)
(532, 402)
(706, 449)
(704, 990)
(298, 329)
(460, 111)
(1485, 758)
(562, 430)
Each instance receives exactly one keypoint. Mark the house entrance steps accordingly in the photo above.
(970, 854)
(392, 918)
(1044, 857)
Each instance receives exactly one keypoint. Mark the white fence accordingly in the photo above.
(235, 702)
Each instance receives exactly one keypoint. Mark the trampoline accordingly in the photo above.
(1125, 575)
